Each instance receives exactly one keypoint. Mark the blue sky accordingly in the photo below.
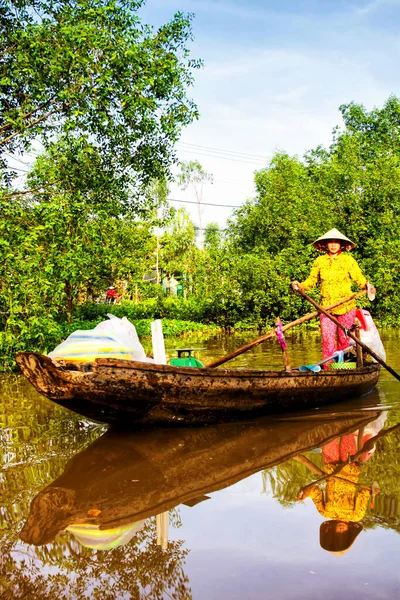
(274, 76)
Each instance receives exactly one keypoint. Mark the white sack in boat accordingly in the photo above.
(126, 333)
(369, 334)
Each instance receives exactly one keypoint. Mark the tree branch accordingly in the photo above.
(35, 110)
(13, 135)
(24, 193)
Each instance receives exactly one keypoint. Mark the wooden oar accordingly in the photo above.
(349, 333)
(267, 336)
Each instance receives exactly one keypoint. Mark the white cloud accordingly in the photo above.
(258, 101)
(294, 95)
(375, 5)
(246, 10)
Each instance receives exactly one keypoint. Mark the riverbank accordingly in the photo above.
(183, 317)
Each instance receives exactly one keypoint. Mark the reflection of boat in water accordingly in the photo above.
(122, 390)
(122, 479)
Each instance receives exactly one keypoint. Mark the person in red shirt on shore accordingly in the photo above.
(111, 295)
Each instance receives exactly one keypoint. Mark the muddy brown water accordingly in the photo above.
(204, 513)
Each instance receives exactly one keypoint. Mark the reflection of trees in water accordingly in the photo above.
(284, 481)
(37, 438)
(67, 570)
(385, 468)
(386, 513)
(387, 506)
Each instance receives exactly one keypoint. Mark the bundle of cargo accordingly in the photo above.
(114, 338)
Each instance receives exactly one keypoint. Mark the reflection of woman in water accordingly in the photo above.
(344, 500)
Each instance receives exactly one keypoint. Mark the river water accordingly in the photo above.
(239, 510)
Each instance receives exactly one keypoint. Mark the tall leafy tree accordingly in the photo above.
(113, 92)
(91, 67)
(353, 185)
(178, 245)
(194, 176)
(63, 244)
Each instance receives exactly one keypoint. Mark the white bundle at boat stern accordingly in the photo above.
(115, 338)
(369, 333)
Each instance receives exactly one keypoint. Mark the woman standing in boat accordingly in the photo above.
(334, 271)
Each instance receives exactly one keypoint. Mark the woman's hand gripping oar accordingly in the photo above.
(348, 333)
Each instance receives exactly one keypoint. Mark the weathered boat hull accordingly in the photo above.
(130, 477)
(127, 391)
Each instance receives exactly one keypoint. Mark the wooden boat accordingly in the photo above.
(123, 478)
(127, 391)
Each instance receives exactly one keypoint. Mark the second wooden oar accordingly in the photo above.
(349, 334)
(270, 334)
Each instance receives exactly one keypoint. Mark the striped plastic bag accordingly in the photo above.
(84, 346)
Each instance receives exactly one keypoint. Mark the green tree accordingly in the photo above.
(178, 245)
(288, 210)
(91, 67)
(354, 186)
(211, 264)
(113, 92)
(212, 237)
(64, 244)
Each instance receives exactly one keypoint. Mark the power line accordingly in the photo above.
(232, 182)
(233, 152)
(220, 153)
(17, 169)
(242, 160)
(204, 203)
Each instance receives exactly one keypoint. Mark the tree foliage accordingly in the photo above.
(178, 245)
(106, 96)
(353, 186)
(91, 67)
(66, 243)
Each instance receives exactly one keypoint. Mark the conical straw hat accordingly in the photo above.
(333, 234)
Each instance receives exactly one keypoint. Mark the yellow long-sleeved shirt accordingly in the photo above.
(334, 275)
(343, 500)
